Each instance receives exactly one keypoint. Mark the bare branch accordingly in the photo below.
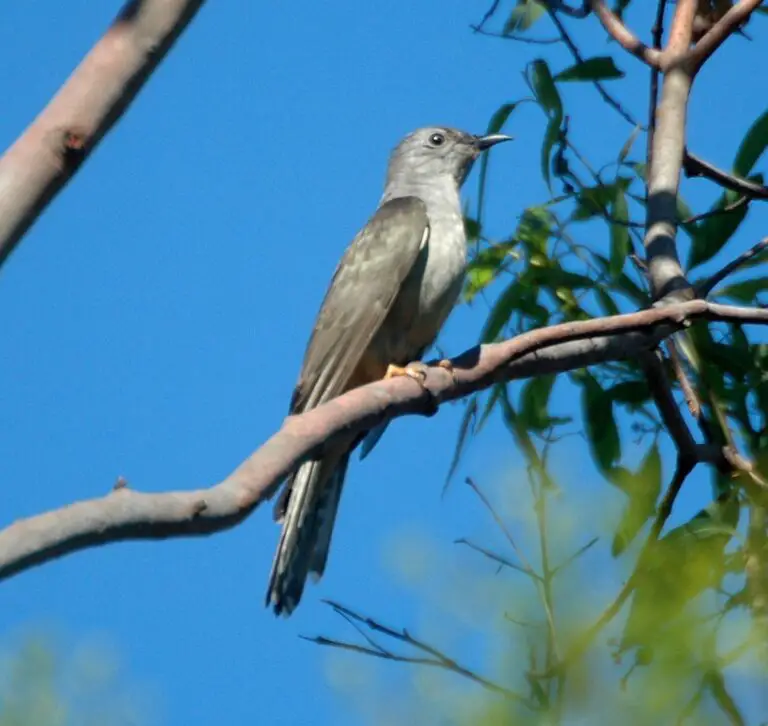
(497, 558)
(46, 156)
(514, 36)
(623, 36)
(599, 87)
(696, 166)
(437, 658)
(125, 514)
(704, 288)
(720, 32)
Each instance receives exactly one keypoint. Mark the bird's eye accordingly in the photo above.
(437, 140)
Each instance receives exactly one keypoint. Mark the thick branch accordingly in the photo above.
(43, 159)
(124, 514)
(664, 269)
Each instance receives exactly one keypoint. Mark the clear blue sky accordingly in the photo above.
(155, 317)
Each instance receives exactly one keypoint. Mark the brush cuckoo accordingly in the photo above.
(390, 295)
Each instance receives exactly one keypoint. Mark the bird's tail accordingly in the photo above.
(308, 510)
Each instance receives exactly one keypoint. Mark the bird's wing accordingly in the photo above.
(361, 293)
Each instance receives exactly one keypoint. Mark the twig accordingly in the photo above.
(727, 209)
(599, 87)
(623, 36)
(488, 14)
(503, 527)
(503, 561)
(704, 288)
(720, 31)
(438, 659)
(692, 399)
(514, 36)
(696, 166)
(559, 568)
(46, 156)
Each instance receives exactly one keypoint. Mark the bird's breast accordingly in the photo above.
(428, 293)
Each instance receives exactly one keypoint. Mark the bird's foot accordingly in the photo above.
(447, 365)
(418, 372)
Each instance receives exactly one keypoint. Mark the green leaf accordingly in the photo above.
(715, 231)
(502, 309)
(628, 144)
(523, 15)
(623, 283)
(601, 68)
(471, 229)
(631, 393)
(752, 146)
(745, 291)
(534, 402)
(643, 493)
(465, 429)
(601, 429)
(485, 267)
(620, 244)
(595, 201)
(548, 98)
(606, 301)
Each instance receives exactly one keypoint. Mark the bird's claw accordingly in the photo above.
(418, 372)
(447, 365)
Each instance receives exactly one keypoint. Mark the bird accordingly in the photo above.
(391, 292)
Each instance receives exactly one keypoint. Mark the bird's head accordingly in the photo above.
(438, 152)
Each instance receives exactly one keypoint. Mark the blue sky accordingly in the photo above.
(155, 318)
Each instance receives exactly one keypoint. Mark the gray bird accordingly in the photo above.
(390, 295)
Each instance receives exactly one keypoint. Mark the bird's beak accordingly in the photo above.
(485, 142)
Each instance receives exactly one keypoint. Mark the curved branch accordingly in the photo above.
(128, 515)
(720, 32)
(46, 156)
(624, 36)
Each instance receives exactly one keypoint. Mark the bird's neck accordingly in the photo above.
(435, 192)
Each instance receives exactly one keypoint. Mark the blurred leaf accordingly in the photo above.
(606, 301)
(745, 291)
(549, 99)
(645, 489)
(632, 393)
(620, 244)
(509, 301)
(595, 201)
(465, 428)
(534, 402)
(601, 68)
(720, 695)
(471, 229)
(714, 232)
(523, 15)
(490, 404)
(601, 429)
(624, 283)
(485, 267)
(535, 229)
(752, 146)
(628, 144)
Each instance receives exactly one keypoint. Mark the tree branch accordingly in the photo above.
(128, 515)
(696, 166)
(720, 31)
(705, 287)
(46, 156)
(623, 36)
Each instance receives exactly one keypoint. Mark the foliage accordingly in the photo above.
(690, 642)
(41, 687)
